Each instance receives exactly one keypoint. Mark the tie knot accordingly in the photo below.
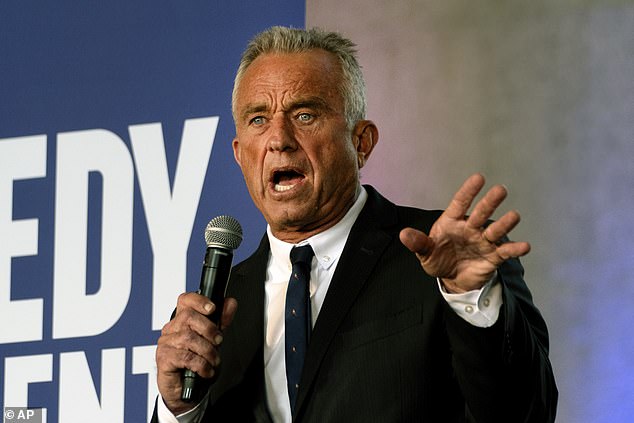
(303, 254)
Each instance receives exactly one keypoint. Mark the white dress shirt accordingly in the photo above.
(480, 308)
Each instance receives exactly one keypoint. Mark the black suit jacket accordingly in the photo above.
(386, 347)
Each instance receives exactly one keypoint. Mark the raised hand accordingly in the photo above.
(460, 249)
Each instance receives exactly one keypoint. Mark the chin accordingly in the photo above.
(290, 218)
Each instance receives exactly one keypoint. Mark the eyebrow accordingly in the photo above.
(254, 108)
(310, 103)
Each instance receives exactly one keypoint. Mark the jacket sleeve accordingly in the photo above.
(504, 371)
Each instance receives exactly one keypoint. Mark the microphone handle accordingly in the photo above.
(213, 284)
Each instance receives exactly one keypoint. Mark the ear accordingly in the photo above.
(365, 136)
(236, 151)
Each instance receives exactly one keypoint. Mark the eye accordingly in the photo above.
(258, 120)
(305, 117)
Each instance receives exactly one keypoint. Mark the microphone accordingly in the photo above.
(223, 234)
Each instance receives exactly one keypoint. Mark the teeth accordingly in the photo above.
(282, 188)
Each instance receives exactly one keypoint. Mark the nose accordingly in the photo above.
(281, 135)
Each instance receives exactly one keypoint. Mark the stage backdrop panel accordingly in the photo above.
(115, 152)
(539, 96)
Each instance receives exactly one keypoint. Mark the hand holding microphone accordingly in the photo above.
(223, 235)
(190, 339)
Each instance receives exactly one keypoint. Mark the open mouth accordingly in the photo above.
(286, 179)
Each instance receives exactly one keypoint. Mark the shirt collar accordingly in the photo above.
(327, 245)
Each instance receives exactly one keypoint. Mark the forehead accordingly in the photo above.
(288, 76)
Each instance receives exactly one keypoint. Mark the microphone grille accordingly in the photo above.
(223, 232)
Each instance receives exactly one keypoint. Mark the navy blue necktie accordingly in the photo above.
(297, 318)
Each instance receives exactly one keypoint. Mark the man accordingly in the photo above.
(416, 315)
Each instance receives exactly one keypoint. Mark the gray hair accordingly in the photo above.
(280, 39)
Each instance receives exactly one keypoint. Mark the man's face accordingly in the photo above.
(299, 159)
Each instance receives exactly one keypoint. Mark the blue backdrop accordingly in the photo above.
(115, 151)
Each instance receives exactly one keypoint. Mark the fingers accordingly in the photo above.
(485, 208)
(499, 229)
(183, 350)
(190, 341)
(513, 249)
(174, 353)
(192, 310)
(191, 338)
(195, 301)
(192, 322)
(461, 201)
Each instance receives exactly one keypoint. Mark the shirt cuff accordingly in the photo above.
(192, 416)
(479, 307)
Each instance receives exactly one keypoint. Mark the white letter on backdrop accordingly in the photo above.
(20, 158)
(169, 212)
(78, 400)
(19, 372)
(144, 362)
(78, 154)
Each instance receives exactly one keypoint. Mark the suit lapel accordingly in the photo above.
(247, 285)
(366, 243)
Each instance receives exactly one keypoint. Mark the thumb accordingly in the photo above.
(416, 241)
(228, 311)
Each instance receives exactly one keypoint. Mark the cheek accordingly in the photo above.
(337, 168)
(250, 156)
(342, 157)
(251, 165)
